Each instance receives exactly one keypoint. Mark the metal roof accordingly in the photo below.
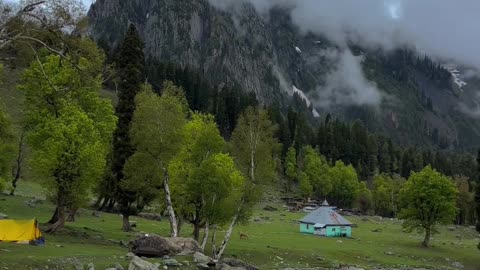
(325, 215)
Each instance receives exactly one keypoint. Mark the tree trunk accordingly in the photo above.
(252, 166)
(111, 204)
(103, 206)
(71, 215)
(179, 226)
(17, 170)
(126, 227)
(426, 241)
(214, 240)
(196, 225)
(57, 221)
(168, 200)
(205, 236)
(54, 217)
(228, 234)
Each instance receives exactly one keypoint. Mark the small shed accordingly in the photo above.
(325, 221)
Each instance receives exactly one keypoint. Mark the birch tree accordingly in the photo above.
(254, 148)
(156, 132)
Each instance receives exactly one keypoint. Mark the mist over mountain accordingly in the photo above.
(407, 69)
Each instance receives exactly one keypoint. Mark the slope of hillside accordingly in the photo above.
(416, 102)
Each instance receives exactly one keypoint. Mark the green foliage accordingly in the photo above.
(69, 126)
(344, 184)
(429, 198)
(316, 169)
(6, 148)
(156, 134)
(364, 200)
(386, 194)
(306, 188)
(291, 167)
(254, 146)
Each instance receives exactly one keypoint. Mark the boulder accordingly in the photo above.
(78, 266)
(270, 208)
(200, 258)
(157, 246)
(458, 265)
(90, 266)
(139, 264)
(96, 214)
(203, 266)
(171, 263)
(234, 264)
(3, 216)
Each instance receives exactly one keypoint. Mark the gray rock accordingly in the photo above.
(389, 253)
(118, 266)
(96, 214)
(78, 266)
(203, 266)
(130, 255)
(172, 263)
(200, 258)
(90, 266)
(458, 265)
(229, 263)
(157, 246)
(139, 264)
(3, 216)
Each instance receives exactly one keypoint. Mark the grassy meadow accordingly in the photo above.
(274, 241)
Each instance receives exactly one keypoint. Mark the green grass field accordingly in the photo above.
(274, 243)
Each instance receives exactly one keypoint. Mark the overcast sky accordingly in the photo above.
(442, 28)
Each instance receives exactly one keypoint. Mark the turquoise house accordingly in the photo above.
(325, 221)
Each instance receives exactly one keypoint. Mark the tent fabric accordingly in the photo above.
(19, 230)
(327, 216)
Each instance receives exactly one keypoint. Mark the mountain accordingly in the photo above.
(402, 93)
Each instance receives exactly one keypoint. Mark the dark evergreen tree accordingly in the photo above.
(131, 65)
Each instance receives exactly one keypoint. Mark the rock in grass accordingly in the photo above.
(201, 258)
(171, 263)
(3, 216)
(458, 265)
(139, 264)
(90, 266)
(78, 266)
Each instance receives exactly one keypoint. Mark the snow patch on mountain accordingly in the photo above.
(304, 97)
(298, 49)
(456, 76)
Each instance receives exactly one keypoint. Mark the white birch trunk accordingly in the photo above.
(205, 237)
(214, 240)
(228, 235)
(171, 212)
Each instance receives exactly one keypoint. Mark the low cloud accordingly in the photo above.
(346, 84)
(443, 29)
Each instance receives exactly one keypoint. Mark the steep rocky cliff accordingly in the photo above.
(268, 55)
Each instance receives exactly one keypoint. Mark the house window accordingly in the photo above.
(333, 229)
(308, 227)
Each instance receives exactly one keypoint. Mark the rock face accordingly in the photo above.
(157, 246)
(268, 55)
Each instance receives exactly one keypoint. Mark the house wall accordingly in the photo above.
(339, 231)
(307, 228)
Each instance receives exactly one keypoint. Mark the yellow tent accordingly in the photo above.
(22, 231)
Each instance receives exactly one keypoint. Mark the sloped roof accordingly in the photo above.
(325, 215)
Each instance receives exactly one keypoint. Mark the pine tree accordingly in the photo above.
(477, 193)
(131, 62)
